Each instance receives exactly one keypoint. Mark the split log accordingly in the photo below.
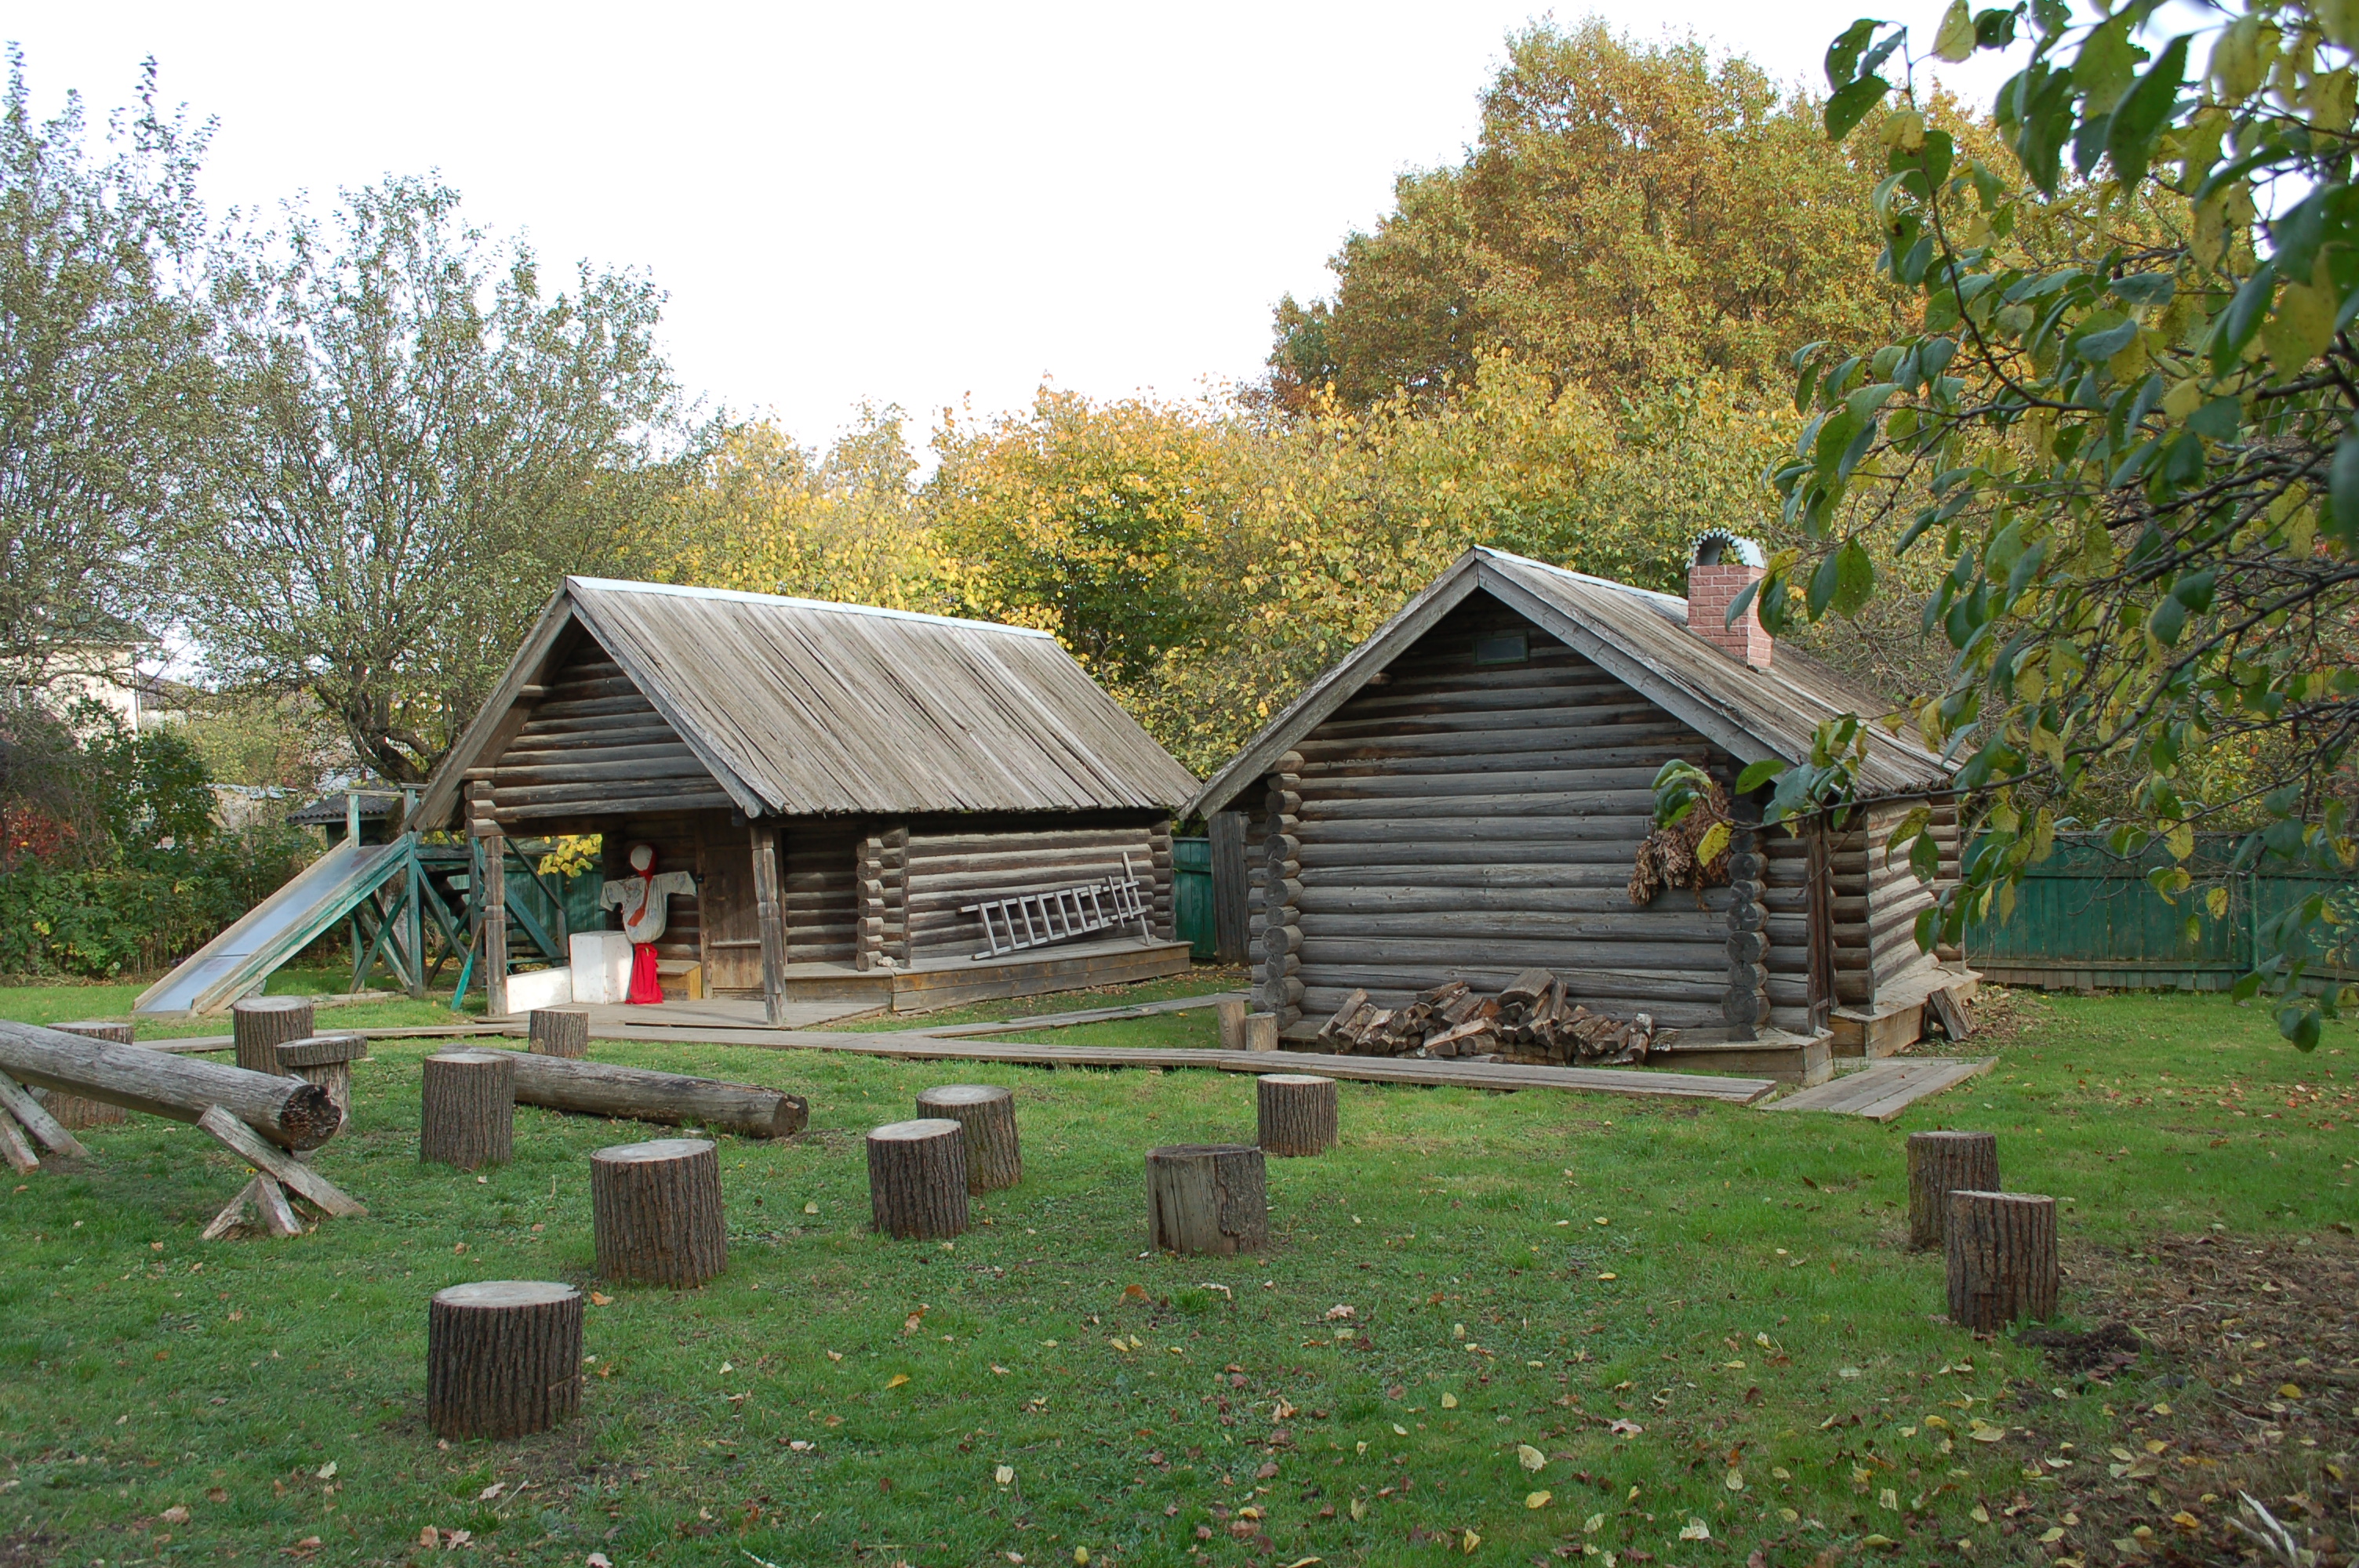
(672, 1099)
(561, 1031)
(17, 1102)
(288, 1111)
(1230, 1015)
(1951, 1013)
(916, 1178)
(15, 1150)
(994, 1158)
(1298, 1113)
(259, 1023)
(325, 1060)
(655, 1210)
(72, 1110)
(1261, 1031)
(467, 1109)
(1207, 1197)
(290, 1172)
(502, 1359)
(2002, 1256)
(1940, 1163)
(270, 1202)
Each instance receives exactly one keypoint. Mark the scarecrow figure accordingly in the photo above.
(644, 900)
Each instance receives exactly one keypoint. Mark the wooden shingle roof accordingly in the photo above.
(1641, 637)
(802, 707)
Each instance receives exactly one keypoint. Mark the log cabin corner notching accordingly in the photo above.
(1461, 798)
(840, 779)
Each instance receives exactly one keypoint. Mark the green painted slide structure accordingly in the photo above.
(334, 886)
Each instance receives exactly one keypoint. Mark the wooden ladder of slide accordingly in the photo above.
(1060, 915)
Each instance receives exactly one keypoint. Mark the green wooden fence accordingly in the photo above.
(2087, 918)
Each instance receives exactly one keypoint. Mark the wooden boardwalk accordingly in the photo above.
(1367, 1069)
(1884, 1089)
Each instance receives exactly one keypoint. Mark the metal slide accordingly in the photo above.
(239, 959)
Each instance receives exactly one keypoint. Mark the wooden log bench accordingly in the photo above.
(995, 1159)
(467, 1109)
(1207, 1199)
(655, 1212)
(916, 1179)
(502, 1359)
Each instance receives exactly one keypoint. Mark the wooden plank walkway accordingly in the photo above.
(1366, 1069)
(1885, 1088)
(1089, 1015)
(199, 1044)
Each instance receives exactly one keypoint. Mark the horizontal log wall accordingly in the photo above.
(1876, 901)
(1465, 822)
(948, 869)
(594, 744)
(820, 888)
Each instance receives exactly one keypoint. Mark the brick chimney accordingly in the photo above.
(1724, 566)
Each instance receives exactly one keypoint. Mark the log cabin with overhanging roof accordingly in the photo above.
(844, 785)
(1460, 799)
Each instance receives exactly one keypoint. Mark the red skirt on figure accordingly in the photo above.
(645, 986)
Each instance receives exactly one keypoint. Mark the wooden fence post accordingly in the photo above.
(491, 873)
(770, 914)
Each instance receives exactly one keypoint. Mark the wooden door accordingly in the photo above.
(733, 931)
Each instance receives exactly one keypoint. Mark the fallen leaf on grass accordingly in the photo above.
(1734, 1480)
(1005, 1475)
(1359, 1509)
(1695, 1530)
(1268, 1470)
(2051, 1535)
(1450, 1401)
(1469, 1542)
(897, 1379)
(1338, 1311)
(597, 1560)
(1624, 1427)
(598, 1298)
(174, 1515)
(1538, 1499)
(326, 1472)
(1399, 1430)
(493, 1490)
(1531, 1458)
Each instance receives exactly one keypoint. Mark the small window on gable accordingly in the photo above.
(1502, 648)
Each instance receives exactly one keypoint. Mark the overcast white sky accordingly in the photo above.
(912, 203)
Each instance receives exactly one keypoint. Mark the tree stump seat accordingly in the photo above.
(467, 1109)
(325, 1060)
(258, 1024)
(1940, 1163)
(995, 1159)
(502, 1359)
(561, 1031)
(655, 1212)
(917, 1178)
(72, 1111)
(1208, 1198)
(2001, 1252)
(1298, 1113)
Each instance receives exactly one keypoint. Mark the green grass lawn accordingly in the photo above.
(1698, 1321)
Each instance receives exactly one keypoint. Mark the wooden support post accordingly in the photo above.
(270, 1202)
(770, 914)
(1281, 986)
(259, 1023)
(995, 1159)
(1231, 1017)
(2002, 1256)
(561, 1031)
(325, 1060)
(1231, 887)
(1298, 1113)
(868, 883)
(1165, 889)
(1940, 1163)
(15, 1150)
(467, 1103)
(72, 1110)
(1207, 1197)
(894, 863)
(916, 1179)
(36, 1118)
(655, 1210)
(492, 879)
(502, 1359)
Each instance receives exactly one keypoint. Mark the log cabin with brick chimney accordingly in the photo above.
(867, 805)
(1453, 813)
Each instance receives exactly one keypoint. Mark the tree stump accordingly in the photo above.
(655, 1209)
(1231, 1017)
(259, 1023)
(468, 1109)
(72, 1110)
(325, 1060)
(1207, 1197)
(2002, 1256)
(1260, 1031)
(1940, 1163)
(993, 1159)
(502, 1357)
(1298, 1113)
(916, 1178)
(561, 1031)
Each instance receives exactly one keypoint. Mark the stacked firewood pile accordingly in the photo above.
(1531, 1020)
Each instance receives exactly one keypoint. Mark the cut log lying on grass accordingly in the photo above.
(601, 1089)
(288, 1111)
